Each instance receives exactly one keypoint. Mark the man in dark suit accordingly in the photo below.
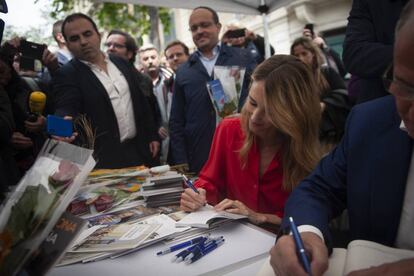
(371, 173)
(106, 90)
(368, 45)
(193, 119)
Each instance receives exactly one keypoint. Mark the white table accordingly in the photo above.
(243, 252)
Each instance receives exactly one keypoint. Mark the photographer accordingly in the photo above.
(28, 136)
(243, 38)
(332, 58)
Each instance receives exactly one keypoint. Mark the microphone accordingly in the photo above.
(37, 102)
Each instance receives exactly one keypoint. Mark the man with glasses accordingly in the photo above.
(193, 118)
(371, 173)
(107, 91)
(121, 44)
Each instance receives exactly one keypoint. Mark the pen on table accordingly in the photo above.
(205, 251)
(182, 245)
(197, 250)
(190, 184)
(300, 247)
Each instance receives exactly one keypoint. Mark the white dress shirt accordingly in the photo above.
(210, 62)
(117, 88)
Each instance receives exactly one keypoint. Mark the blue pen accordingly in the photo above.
(182, 245)
(300, 247)
(191, 250)
(199, 249)
(190, 184)
(205, 251)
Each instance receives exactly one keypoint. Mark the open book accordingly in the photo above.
(203, 217)
(360, 254)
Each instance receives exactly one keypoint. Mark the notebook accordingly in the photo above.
(206, 215)
(359, 254)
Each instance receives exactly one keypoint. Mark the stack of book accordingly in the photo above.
(163, 190)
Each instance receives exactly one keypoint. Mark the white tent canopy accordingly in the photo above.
(251, 7)
(232, 6)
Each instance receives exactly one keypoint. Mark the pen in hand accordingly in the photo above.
(300, 247)
(190, 184)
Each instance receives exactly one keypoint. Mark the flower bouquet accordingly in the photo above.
(38, 201)
(225, 89)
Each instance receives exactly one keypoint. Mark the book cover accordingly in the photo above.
(56, 243)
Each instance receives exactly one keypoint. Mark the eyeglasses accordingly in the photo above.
(203, 25)
(115, 45)
(397, 87)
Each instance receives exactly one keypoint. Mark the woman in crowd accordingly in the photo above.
(257, 158)
(334, 99)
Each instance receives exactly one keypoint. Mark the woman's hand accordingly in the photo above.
(191, 201)
(238, 207)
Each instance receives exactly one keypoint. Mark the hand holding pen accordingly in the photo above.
(192, 199)
(300, 248)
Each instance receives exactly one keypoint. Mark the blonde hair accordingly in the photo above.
(292, 105)
(317, 61)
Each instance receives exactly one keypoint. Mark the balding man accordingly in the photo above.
(193, 118)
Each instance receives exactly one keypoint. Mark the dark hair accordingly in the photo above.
(177, 42)
(213, 12)
(404, 16)
(73, 17)
(57, 28)
(130, 43)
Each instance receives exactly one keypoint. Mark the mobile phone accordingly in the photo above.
(31, 50)
(58, 126)
(309, 26)
(236, 33)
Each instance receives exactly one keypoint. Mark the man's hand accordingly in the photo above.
(50, 60)
(66, 139)
(163, 133)
(154, 148)
(404, 267)
(19, 141)
(284, 260)
(191, 201)
(37, 126)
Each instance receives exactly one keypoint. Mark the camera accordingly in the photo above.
(236, 33)
(30, 52)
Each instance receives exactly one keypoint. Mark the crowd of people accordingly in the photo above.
(294, 149)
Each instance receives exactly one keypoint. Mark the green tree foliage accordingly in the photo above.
(134, 19)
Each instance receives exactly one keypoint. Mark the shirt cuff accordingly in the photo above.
(310, 228)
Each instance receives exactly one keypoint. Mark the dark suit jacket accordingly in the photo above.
(193, 119)
(78, 91)
(366, 173)
(368, 44)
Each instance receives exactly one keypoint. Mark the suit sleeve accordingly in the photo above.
(67, 96)
(322, 195)
(211, 177)
(363, 55)
(6, 118)
(177, 126)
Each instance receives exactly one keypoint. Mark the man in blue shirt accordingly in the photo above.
(193, 119)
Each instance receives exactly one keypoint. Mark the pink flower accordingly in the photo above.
(67, 171)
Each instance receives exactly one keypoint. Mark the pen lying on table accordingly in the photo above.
(183, 244)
